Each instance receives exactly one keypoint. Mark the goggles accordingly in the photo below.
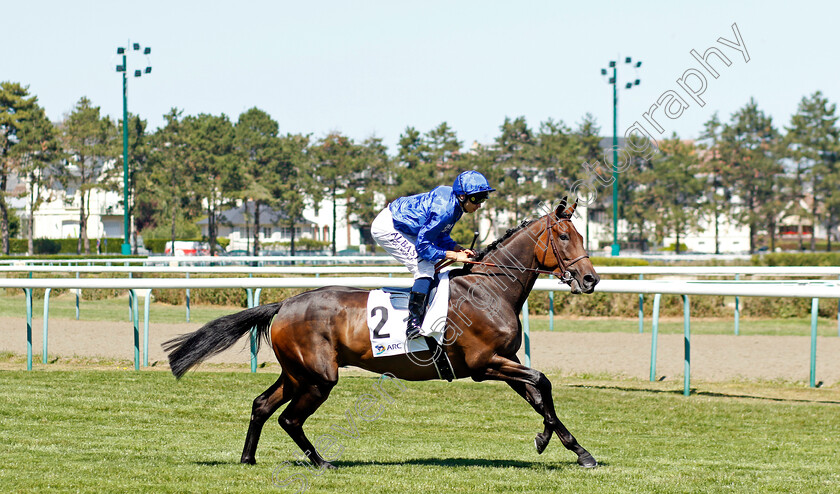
(477, 199)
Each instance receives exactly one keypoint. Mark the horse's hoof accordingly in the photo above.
(586, 460)
(540, 443)
(248, 461)
(328, 466)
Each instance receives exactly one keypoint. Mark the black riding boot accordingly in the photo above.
(416, 312)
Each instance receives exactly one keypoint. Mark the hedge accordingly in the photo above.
(618, 261)
(797, 259)
(63, 245)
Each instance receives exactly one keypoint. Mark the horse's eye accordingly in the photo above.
(563, 236)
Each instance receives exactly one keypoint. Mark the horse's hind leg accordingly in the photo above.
(308, 397)
(264, 405)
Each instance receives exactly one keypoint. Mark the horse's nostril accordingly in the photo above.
(591, 279)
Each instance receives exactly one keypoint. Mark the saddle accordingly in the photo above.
(387, 311)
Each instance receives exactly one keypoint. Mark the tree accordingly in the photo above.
(481, 159)
(443, 149)
(89, 140)
(812, 143)
(515, 154)
(17, 110)
(749, 145)
(40, 160)
(296, 184)
(371, 180)
(557, 159)
(642, 199)
(336, 162)
(588, 138)
(673, 191)
(210, 156)
(718, 196)
(413, 170)
(166, 188)
(258, 151)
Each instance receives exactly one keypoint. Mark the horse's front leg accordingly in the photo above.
(508, 370)
(533, 397)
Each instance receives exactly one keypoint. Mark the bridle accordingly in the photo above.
(565, 274)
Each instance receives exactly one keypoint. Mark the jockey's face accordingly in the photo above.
(469, 207)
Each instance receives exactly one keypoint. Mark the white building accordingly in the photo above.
(59, 217)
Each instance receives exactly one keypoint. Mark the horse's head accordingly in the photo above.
(561, 250)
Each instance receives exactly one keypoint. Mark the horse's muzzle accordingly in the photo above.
(589, 282)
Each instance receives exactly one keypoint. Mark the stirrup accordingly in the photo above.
(412, 332)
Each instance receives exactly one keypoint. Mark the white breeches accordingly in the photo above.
(400, 245)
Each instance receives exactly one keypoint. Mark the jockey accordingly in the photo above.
(415, 230)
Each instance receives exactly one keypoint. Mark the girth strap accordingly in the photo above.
(441, 360)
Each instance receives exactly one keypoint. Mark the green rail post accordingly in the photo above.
(146, 328)
(28, 292)
(254, 336)
(815, 307)
(188, 300)
(737, 310)
(132, 298)
(654, 336)
(46, 323)
(250, 294)
(641, 308)
(551, 310)
(78, 291)
(526, 331)
(687, 345)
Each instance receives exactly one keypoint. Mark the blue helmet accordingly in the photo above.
(469, 183)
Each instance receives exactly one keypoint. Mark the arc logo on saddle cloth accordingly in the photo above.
(387, 314)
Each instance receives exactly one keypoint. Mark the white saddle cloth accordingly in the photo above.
(388, 316)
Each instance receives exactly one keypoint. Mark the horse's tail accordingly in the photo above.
(189, 349)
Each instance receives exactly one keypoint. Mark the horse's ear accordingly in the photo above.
(561, 208)
(574, 206)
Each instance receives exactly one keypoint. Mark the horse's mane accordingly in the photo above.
(496, 243)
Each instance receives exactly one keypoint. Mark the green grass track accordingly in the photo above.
(123, 431)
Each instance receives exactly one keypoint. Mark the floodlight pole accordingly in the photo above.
(615, 247)
(126, 246)
(614, 81)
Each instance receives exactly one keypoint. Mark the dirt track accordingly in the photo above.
(713, 357)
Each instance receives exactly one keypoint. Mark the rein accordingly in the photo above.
(565, 275)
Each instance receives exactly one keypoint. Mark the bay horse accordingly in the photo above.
(318, 331)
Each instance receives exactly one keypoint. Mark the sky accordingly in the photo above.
(374, 68)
